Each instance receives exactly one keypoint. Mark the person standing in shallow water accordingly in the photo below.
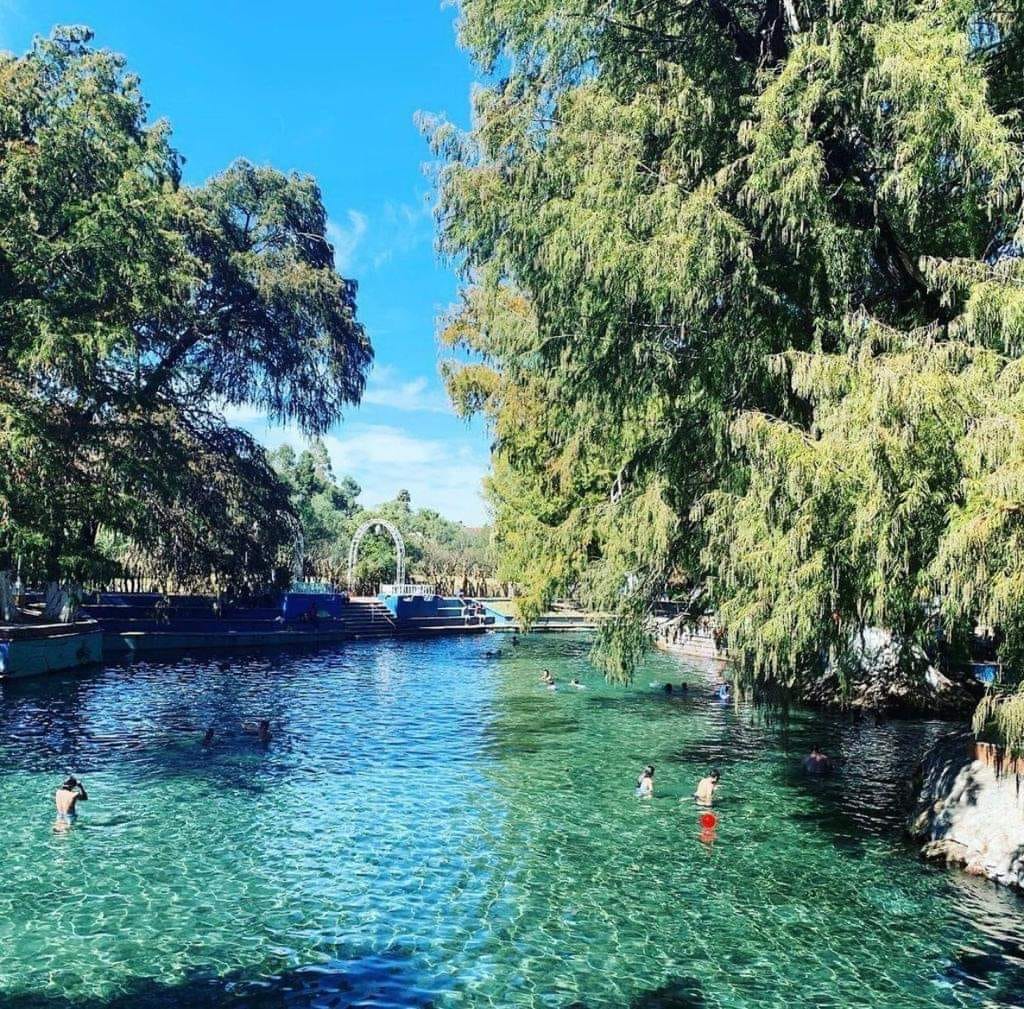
(706, 788)
(645, 783)
(66, 799)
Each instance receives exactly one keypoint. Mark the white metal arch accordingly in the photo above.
(376, 525)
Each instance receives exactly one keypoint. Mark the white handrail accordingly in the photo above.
(427, 591)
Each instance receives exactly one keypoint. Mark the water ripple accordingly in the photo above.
(430, 827)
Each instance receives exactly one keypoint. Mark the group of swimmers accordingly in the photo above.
(704, 795)
(723, 692)
(549, 681)
(816, 762)
(260, 729)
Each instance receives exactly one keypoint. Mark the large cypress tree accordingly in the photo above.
(745, 280)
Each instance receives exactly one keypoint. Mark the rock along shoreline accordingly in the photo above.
(969, 809)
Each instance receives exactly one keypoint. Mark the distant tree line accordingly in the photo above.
(446, 555)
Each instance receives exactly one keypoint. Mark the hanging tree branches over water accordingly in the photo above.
(743, 288)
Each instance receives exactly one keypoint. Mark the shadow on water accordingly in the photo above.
(679, 993)
(381, 979)
(385, 979)
(82, 723)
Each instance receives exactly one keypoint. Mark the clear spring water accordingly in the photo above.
(429, 826)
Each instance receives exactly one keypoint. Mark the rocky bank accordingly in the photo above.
(969, 810)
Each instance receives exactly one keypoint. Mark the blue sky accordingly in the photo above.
(328, 87)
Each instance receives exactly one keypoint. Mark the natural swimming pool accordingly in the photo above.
(429, 826)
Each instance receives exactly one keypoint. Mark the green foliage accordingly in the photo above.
(133, 311)
(743, 306)
(323, 505)
(1000, 719)
(445, 554)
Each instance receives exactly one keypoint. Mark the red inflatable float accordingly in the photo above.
(708, 821)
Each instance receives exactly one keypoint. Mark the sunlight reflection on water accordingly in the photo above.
(428, 826)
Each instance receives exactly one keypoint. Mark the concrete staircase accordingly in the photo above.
(368, 618)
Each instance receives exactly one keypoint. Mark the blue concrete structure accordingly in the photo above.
(297, 606)
(135, 624)
(409, 610)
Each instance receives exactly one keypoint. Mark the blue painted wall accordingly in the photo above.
(422, 608)
(327, 606)
(412, 607)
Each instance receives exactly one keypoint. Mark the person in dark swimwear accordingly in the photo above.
(816, 762)
(645, 783)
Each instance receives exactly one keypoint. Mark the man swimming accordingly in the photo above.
(645, 783)
(816, 762)
(706, 788)
(66, 798)
(260, 729)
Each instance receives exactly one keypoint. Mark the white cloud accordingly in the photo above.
(244, 415)
(437, 473)
(403, 228)
(386, 388)
(346, 240)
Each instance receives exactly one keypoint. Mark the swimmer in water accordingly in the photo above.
(576, 683)
(724, 692)
(706, 788)
(667, 688)
(66, 798)
(645, 783)
(816, 762)
(208, 738)
(547, 679)
(261, 730)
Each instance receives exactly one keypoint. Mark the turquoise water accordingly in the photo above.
(429, 826)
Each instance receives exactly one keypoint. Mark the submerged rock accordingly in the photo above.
(969, 810)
